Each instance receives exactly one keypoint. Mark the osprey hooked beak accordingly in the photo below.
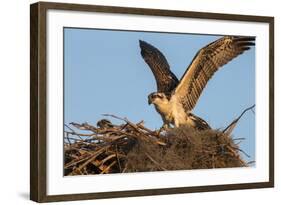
(151, 98)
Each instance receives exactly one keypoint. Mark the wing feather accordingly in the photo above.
(166, 80)
(207, 61)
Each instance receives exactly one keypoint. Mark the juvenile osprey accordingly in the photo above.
(175, 99)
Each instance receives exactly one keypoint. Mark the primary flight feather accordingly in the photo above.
(175, 99)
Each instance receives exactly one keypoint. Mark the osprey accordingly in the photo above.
(175, 99)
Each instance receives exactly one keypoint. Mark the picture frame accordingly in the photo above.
(41, 143)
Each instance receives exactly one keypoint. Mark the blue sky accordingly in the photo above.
(105, 73)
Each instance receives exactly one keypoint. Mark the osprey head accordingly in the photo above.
(157, 98)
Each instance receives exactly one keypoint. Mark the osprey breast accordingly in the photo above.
(178, 112)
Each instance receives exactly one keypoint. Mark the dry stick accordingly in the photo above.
(253, 111)
(155, 162)
(108, 167)
(69, 127)
(98, 164)
(119, 154)
(73, 131)
(124, 119)
(107, 158)
(71, 138)
(105, 132)
(104, 138)
(125, 168)
(123, 126)
(78, 172)
(232, 125)
(81, 151)
(119, 118)
(88, 128)
(235, 154)
(70, 164)
(94, 155)
(145, 137)
(67, 137)
(247, 155)
(84, 140)
(153, 133)
(251, 162)
(85, 171)
(80, 134)
(115, 138)
(140, 125)
(241, 138)
(136, 128)
(117, 157)
(238, 143)
(84, 126)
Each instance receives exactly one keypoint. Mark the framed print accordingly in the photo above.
(134, 102)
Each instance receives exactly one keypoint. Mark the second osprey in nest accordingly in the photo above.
(175, 98)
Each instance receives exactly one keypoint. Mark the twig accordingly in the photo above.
(107, 158)
(240, 138)
(240, 150)
(72, 163)
(125, 168)
(84, 126)
(92, 157)
(155, 162)
(232, 125)
(117, 157)
(69, 127)
(124, 119)
(108, 167)
(67, 137)
(114, 116)
(80, 134)
(72, 130)
(251, 162)
(238, 142)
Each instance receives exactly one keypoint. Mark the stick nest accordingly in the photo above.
(131, 147)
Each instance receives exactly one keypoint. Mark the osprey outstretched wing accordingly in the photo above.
(174, 100)
(165, 79)
(207, 61)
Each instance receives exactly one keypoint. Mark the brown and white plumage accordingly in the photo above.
(175, 99)
(165, 79)
(207, 61)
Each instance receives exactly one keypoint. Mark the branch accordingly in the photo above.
(232, 125)
(155, 162)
